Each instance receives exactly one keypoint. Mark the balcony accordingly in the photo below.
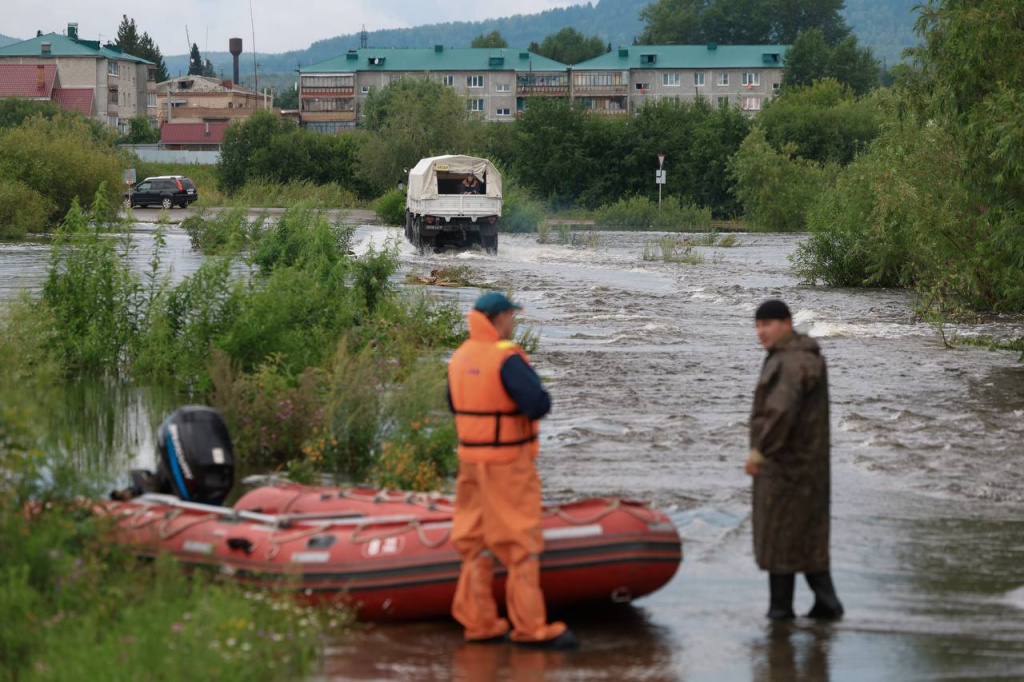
(311, 116)
(321, 92)
(608, 112)
(542, 90)
(584, 90)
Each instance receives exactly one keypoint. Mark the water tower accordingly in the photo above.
(235, 48)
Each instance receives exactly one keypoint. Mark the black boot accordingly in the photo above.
(781, 586)
(826, 603)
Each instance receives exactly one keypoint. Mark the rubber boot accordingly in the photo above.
(826, 604)
(781, 586)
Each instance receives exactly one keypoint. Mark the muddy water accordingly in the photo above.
(651, 368)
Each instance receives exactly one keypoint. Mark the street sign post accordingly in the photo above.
(129, 179)
(659, 178)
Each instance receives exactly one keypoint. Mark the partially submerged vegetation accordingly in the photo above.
(77, 607)
(671, 249)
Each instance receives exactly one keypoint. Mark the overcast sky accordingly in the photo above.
(280, 25)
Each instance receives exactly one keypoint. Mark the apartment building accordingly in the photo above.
(199, 99)
(123, 85)
(495, 82)
(620, 81)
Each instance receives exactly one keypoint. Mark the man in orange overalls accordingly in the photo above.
(497, 399)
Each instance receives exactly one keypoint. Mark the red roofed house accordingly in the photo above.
(42, 82)
(192, 136)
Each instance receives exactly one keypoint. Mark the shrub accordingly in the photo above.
(62, 160)
(672, 250)
(225, 232)
(22, 210)
(520, 212)
(390, 207)
(776, 188)
(640, 213)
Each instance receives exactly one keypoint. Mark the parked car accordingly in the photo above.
(164, 190)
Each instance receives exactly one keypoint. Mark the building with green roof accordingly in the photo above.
(124, 85)
(495, 81)
(620, 81)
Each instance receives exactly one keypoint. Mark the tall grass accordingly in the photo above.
(640, 213)
(76, 607)
(672, 250)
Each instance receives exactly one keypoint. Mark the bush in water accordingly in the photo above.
(640, 213)
(520, 212)
(390, 207)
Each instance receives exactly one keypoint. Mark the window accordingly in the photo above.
(329, 127)
(329, 104)
(112, 96)
(476, 105)
(642, 87)
(752, 79)
(503, 87)
(113, 68)
(150, 100)
(670, 79)
(474, 81)
(698, 80)
(448, 80)
(751, 104)
(365, 89)
(504, 112)
(776, 87)
(395, 79)
(723, 102)
(671, 98)
(723, 79)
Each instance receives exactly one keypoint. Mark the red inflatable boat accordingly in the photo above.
(388, 553)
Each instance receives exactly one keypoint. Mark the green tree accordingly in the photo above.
(775, 187)
(569, 46)
(823, 122)
(195, 62)
(811, 58)
(492, 39)
(406, 121)
(737, 22)
(128, 36)
(287, 99)
(141, 132)
(672, 22)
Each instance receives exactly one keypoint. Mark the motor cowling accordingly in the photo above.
(196, 460)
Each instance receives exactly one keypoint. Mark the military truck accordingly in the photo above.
(453, 201)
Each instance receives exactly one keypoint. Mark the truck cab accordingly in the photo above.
(453, 201)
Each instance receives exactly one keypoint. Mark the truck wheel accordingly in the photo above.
(408, 224)
(490, 244)
(414, 237)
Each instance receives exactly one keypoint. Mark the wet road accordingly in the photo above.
(651, 367)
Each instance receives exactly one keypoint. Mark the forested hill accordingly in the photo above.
(885, 25)
(7, 40)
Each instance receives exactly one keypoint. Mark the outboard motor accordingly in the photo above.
(196, 460)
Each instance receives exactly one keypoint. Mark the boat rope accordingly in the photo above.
(166, 532)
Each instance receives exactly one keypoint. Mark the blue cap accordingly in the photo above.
(494, 302)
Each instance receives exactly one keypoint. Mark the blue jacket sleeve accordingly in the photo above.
(524, 386)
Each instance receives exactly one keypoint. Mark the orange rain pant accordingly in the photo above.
(497, 515)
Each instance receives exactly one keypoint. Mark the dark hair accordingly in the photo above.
(773, 309)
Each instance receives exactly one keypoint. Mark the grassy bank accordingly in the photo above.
(77, 608)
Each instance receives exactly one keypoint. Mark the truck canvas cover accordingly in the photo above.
(423, 177)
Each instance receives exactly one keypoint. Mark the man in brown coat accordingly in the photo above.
(789, 461)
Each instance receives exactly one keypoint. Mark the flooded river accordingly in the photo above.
(651, 367)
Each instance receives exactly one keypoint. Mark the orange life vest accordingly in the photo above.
(488, 422)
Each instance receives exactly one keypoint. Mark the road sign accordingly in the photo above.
(659, 177)
(661, 160)
(129, 176)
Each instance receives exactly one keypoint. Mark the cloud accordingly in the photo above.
(279, 26)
